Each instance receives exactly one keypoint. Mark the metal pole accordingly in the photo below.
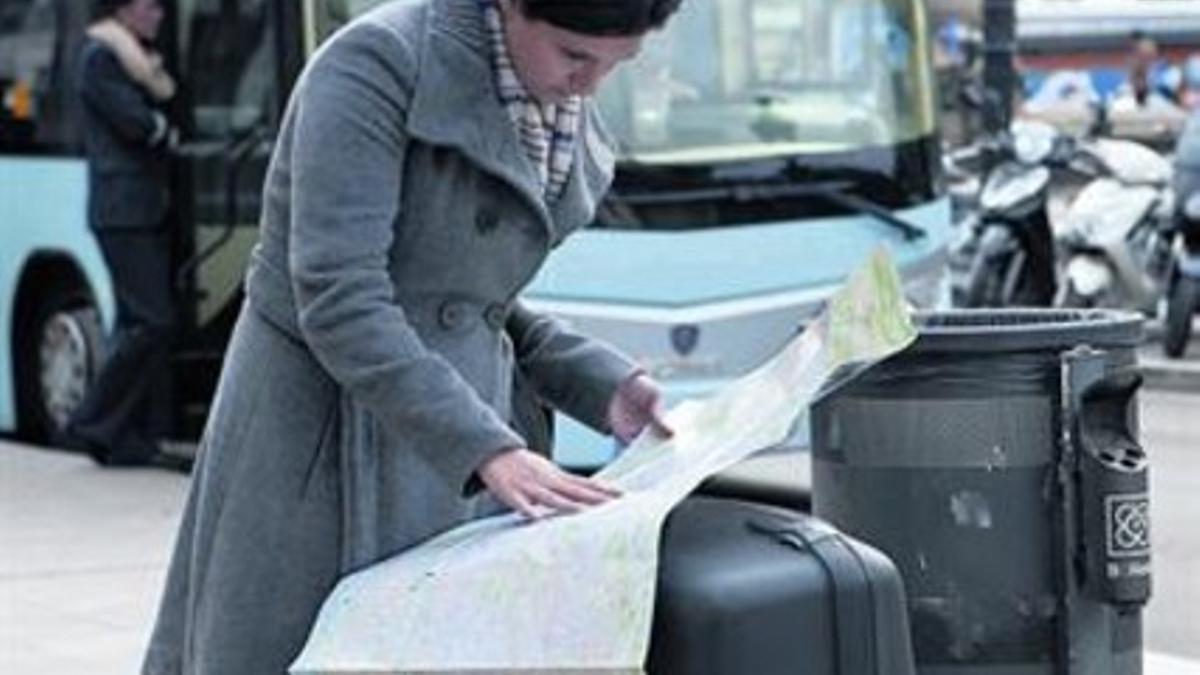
(999, 70)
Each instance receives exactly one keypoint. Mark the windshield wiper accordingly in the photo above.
(834, 191)
(849, 200)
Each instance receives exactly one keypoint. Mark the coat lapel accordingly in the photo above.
(455, 104)
(591, 173)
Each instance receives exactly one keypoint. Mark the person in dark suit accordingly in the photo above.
(123, 88)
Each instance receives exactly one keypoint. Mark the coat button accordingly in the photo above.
(495, 315)
(451, 314)
(486, 221)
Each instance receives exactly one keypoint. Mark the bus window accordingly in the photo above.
(38, 43)
(228, 62)
(775, 77)
(775, 91)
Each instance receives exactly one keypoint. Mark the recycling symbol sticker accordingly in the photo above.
(1128, 525)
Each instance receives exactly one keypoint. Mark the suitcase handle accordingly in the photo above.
(853, 601)
(797, 531)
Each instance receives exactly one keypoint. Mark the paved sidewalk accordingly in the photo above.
(82, 555)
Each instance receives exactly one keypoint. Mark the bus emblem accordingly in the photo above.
(684, 338)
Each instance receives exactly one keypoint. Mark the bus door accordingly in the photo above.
(234, 60)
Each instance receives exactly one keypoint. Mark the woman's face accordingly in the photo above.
(554, 63)
(143, 17)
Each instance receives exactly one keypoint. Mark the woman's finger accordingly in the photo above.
(594, 485)
(661, 427)
(555, 501)
(584, 491)
(517, 501)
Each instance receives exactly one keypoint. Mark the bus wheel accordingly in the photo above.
(58, 355)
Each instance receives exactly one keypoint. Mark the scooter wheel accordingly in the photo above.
(1181, 305)
(984, 283)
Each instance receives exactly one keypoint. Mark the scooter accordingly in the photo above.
(1006, 257)
(1183, 294)
(1115, 239)
(961, 168)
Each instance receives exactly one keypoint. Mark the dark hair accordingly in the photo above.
(102, 9)
(601, 17)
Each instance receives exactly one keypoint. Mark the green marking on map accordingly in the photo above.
(871, 299)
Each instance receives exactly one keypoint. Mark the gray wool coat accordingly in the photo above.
(372, 369)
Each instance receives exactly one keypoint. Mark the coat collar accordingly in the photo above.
(455, 104)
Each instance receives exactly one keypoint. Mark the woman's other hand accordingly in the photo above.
(637, 405)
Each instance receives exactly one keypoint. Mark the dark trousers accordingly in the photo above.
(128, 406)
(1187, 183)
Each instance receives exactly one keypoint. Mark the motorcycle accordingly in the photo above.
(1183, 294)
(1005, 256)
(1116, 238)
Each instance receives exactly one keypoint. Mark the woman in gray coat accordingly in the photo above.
(383, 381)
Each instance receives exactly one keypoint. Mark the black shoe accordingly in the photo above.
(170, 462)
(69, 439)
(132, 453)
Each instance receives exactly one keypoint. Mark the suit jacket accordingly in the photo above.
(372, 370)
(124, 136)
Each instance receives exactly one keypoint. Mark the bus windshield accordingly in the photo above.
(742, 79)
(733, 80)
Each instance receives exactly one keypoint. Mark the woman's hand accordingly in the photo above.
(635, 406)
(534, 486)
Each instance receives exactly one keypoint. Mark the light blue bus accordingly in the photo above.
(767, 146)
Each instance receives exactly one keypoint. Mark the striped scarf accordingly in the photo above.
(547, 131)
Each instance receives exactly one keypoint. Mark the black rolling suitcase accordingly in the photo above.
(748, 589)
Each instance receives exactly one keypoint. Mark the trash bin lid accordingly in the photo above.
(1025, 329)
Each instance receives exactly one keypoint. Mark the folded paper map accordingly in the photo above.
(575, 593)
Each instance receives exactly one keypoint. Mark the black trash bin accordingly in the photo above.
(996, 462)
